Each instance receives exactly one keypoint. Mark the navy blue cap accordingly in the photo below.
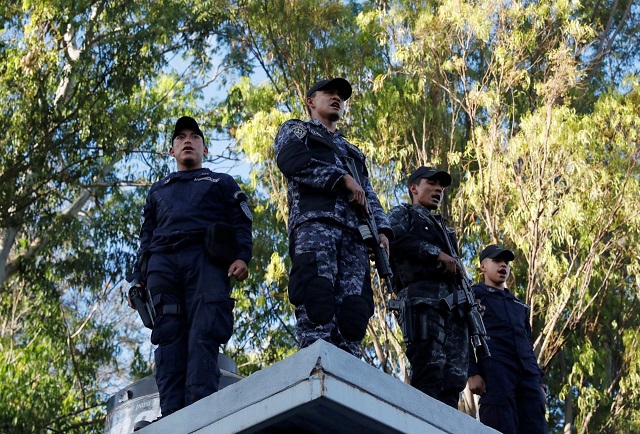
(494, 251)
(340, 84)
(186, 123)
(428, 173)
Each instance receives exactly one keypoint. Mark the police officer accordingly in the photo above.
(195, 235)
(426, 279)
(512, 397)
(329, 282)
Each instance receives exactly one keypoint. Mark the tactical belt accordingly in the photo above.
(450, 301)
(416, 301)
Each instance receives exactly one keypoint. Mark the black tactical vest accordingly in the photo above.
(413, 271)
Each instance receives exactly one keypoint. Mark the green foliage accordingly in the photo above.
(563, 193)
(50, 366)
(494, 92)
(532, 106)
(87, 90)
(140, 368)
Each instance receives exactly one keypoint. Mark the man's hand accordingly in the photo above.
(238, 270)
(476, 385)
(449, 263)
(357, 196)
(384, 243)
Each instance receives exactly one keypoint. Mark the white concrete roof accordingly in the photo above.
(320, 389)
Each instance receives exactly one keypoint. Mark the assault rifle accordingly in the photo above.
(369, 233)
(477, 332)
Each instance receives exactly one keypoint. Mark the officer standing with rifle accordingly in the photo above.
(330, 199)
(434, 306)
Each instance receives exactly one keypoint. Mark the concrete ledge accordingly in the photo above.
(320, 389)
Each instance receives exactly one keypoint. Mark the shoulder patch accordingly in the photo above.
(245, 209)
(298, 130)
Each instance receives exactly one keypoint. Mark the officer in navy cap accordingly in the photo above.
(426, 276)
(329, 283)
(195, 236)
(512, 394)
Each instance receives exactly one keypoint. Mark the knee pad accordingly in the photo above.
(353, 317)
(319, 300)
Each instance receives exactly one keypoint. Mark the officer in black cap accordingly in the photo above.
(512, 394)
(195, 235)
(329, 282)
(426, 280)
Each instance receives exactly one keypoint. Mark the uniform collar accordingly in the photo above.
(190, 173)
(186, 174)
(319, 124)
(425, 212)
(493, 289)
(421, 208)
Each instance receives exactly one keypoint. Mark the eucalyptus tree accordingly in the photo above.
(539, 171)
(513, 98)
(84, 121)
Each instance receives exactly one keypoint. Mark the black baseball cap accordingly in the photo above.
(340, 84)
(494, 251)
(428, 173)
(186, 123)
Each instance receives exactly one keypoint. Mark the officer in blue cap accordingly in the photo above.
(329, 283)
(512, 394)
(195, 235)
(426, 276)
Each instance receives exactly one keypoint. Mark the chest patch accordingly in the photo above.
(206, 178)
(316, 133)
(525, 305)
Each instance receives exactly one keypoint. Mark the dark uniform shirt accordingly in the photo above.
(419, 237)
(181, 206)
(506, 320)
(306, 155)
